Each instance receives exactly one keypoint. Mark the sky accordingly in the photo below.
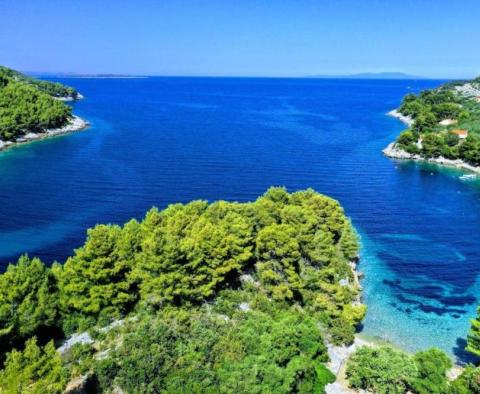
(432, 38)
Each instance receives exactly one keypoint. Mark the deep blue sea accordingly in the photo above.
(156, 141)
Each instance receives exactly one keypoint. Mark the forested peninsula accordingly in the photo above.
(444, 126)
(219, 297)
(32, 109)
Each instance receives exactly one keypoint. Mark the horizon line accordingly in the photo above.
(366, 75)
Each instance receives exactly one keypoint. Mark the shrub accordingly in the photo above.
(432, 366)
(382, 370)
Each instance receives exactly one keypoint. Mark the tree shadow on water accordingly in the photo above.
(464, 357)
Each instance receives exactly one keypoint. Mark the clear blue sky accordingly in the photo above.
(437, 38)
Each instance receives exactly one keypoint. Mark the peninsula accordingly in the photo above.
(443, 126)
(32, 109)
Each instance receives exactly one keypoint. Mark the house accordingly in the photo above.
(462, 134)
(447, 122)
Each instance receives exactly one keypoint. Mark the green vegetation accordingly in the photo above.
(28, 301)
(259, 351)
(381, 370)
(385, 370)
(473, 339)
(206, 298)
(33, 370)
(223, 297)
(54, 89)
(27, 105)
(428, 138)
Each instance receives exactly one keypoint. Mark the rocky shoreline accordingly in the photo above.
(340, 354)
(394, 152)
(402, 118)
(69, 98)
(75, 124)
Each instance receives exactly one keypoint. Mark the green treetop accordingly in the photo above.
(28, 300)
(35, 370)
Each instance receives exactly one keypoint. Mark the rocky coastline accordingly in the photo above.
(69, 98)
(402, 118)
(75, 124)
(394, 152)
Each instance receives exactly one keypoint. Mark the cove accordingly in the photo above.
(156, 141)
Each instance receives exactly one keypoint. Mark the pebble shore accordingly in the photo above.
(75, 124)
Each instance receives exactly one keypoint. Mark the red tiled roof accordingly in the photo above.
(460, 132)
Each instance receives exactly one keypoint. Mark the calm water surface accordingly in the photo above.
(161, 140)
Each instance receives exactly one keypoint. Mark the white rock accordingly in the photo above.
(335, 388)
(82, 338)
(394, 152)
(244, 306)
(30, 136)
(403, 118)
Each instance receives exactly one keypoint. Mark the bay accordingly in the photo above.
(156, 141)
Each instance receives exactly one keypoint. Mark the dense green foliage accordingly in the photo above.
(24, 107)
(428, 138)
(28, 301)
(473, 339)
(385, 370)
(432, 366)
(296, 245)
(34, 370)
(54, 89)
(214, 298)
(382, 370)
(233, 297)
(203, 351)
(468, 382)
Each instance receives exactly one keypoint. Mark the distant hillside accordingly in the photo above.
(28, 105)
(54, 89)
(384, 75)
(381, 75)
(84, 75)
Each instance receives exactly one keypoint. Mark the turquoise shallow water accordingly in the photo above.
(161, 140)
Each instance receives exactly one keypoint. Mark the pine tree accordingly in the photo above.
(33, 370)
(473, 338)
(349, 241)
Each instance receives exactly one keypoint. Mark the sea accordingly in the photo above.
(155, 141)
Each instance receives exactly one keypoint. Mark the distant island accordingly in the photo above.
(380, 75)
(32, 109)
(443, 126)
(86, 75)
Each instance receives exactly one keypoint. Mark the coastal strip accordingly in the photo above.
(75, 124)
(402, 118)
(69, 98)
(394, 152)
